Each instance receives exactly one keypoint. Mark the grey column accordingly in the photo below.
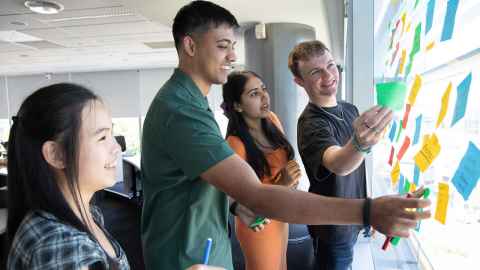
(269, 58)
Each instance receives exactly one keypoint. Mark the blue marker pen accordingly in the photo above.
(208, 248)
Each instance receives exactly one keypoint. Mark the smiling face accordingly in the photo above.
(215, 54)
(98, 149)
(255, 100)
(319, 76)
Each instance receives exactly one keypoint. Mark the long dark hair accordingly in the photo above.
(232, 91)
(52, 113)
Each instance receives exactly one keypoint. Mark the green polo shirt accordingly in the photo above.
(181, 140)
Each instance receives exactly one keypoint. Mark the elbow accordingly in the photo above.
(340, 171)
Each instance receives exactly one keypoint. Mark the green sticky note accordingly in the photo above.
(395, 240)
(400, 129)
(391, 95)
(416, 41)
(416, 4)
(426, 193)
(407, 187)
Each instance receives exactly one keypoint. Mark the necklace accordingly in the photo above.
(333, 115)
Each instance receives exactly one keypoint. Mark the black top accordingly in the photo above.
(318, 129)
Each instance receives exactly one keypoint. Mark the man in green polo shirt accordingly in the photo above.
(188, 169)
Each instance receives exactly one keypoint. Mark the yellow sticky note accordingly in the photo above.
(417, 84)
(404, 16)
(430, 46)
(428, 153)
(402, 61)
(442, 203)
(413, 187)
(395, 174)
(444, 108)
(408, 27)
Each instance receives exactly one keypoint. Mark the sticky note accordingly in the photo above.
(402, 61)
(408, 27)
(393, 131)
(442, 203)
(401, 184)
(391, 94)
(430, 46)
(428, 153)
(400, 129)
(397, 47)
(449, 22)
(403, 149)
(416, 174)
(417, 83)
(395, 174)
(430, 9)
(462, 97)
(416, 3)
(413, 187)
(404, 16)
(416, 41)
(405, 116)
(444, 105)
(418, 128)
(466, 176)
(406, 188)
(390, 159)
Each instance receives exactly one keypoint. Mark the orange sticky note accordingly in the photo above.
(390, 159)
(417, 83)
(413, 187)
(430, 46)
(402, 61)
(405, 116)
(428, 153)
(442, 203)
(444, 108)
(403, 149)
(395, 174)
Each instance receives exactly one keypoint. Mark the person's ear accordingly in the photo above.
(237, 107)
(298, 81)
(53, 154)
(189, 45)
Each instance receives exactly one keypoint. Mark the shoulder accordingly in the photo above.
(237, 146)
(348, 107)
(275, 120)
(43, 240)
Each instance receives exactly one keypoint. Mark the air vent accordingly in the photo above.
(160, 45)
(41, 45)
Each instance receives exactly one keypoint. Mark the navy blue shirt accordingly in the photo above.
(319, 129)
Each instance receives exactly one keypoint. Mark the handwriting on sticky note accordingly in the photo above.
(466, 176)
(442, 203)
(428, 153)
(444, 105)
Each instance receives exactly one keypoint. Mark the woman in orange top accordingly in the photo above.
(256, 135)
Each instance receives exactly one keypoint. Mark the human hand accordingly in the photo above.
(204, 267)
(290, 175)
(391, 216)
(369, 125)
(248, 217)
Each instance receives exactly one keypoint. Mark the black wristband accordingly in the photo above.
(233, 208)
(366, 211)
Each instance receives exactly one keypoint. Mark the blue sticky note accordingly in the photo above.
(418, 128)
(401, 183)
(430, 9)
(462, 98)
(393, 131)
(449, 22)
(416, 174)
(468, 172)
